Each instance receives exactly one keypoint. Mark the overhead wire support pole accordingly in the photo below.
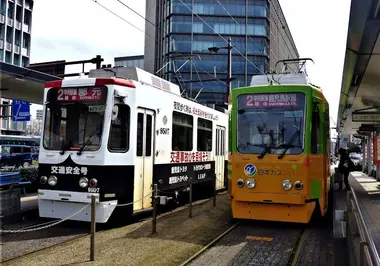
(229, 66)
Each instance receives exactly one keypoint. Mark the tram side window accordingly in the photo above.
(315, 132)
(204, 135)
(182, 139)
(119, 132)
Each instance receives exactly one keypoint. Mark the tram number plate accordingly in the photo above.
(93, 190)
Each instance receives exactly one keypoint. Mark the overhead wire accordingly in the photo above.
(207, 25)
(224, 8)
(206, 72)
(165, 33)
(233, 47)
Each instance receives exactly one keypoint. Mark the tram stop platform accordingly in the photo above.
(367, 192)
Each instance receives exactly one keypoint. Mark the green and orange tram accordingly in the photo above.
(279, 148)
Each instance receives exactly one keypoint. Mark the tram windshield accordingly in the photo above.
(74, 118)
(272, 123)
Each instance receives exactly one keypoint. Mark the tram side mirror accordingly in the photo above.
(115, 112)
(316, 107)
(241, 111)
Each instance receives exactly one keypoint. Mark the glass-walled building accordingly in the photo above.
(129, 61)
(15, 40)
(15, 31)
(184, 30)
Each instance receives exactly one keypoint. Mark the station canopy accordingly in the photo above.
(359, 104)
(19, 83)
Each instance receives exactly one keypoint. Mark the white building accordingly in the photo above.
(15, 40)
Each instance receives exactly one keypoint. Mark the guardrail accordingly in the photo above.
(356, 227)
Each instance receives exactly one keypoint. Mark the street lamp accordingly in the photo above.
(229, 68)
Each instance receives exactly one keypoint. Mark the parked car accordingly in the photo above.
(16, 155)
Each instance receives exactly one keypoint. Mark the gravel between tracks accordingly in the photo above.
(18, 244)
(177, 238)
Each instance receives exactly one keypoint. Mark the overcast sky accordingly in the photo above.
(81, 29)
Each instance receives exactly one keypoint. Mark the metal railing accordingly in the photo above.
(368, 253)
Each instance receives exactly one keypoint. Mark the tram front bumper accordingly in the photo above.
(272, 207)
(63, 204)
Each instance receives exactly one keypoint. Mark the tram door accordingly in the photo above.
(144, 159)
(220, 152)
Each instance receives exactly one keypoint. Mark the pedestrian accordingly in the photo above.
(345, 167)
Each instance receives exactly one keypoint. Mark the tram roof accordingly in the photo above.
(360, 87)
(23, 84)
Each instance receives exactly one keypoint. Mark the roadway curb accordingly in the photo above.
(19, 216)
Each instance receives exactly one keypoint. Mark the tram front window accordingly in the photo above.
(74, 119)
(271, 123)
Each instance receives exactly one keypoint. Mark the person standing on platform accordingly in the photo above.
(345, 167)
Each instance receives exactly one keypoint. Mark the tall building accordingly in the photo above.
(15, 39)
(179, 33)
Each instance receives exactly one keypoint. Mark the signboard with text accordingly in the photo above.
(79, 94)
(20, 111)
(271, 100)
(365, 117)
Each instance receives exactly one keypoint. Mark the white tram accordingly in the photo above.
(116, 137)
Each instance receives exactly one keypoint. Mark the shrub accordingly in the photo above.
(29, 174)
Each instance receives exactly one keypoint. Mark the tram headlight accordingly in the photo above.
(251, 183)
(43, 179)
(287, 185)
(52, 181)
(83, 182)
(240, 183)
(298, 185)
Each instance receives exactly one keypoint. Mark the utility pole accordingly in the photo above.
(229, 67)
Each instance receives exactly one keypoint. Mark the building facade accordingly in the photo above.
(129, 61)
(15, 41)
(179, 34)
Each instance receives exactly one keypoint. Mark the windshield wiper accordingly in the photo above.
(265, 151)
(88, 141)
(289, 144)
(65, 146)
(85, 144)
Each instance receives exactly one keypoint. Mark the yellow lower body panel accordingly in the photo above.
(272, 212)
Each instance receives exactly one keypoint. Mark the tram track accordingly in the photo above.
(286, 250)
(295, 256)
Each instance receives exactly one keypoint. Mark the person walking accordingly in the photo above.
(345, 167)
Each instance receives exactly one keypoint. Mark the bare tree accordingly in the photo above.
(34, 127)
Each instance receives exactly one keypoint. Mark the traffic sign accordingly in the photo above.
(20, 111)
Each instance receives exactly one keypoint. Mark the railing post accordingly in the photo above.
(362, 253)
(154, 202)
(93, 228)
(214, 203)
(191, 200)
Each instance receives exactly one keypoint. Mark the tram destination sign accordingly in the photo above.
(365, 117)
(271, 100)
(80, 94)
